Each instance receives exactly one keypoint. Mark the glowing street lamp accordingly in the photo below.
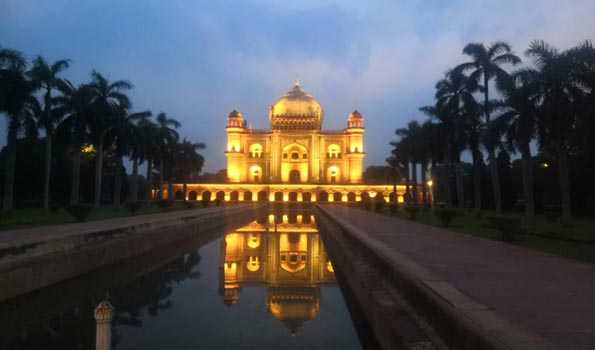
(430, 185)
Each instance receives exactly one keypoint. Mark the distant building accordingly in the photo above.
(293, 161)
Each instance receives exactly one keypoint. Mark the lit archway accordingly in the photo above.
(334, 151)
(337, 197)
(234, 196)
(247, 196)
(192, 195)
(293, 196)
(323, 196)
(351, 197)
(255, 150)
(307, 197)
(333, 174)
(278, 196)
(255, 173)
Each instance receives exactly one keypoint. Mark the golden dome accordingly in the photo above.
(296, 110)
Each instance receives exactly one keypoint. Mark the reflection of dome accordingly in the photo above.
(296, 110)
(293, 305)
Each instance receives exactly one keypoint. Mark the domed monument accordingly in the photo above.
(295, 160)
(295, 149)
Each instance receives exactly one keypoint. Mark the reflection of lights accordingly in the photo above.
(253, 264)
(88, 148)
(329, 266)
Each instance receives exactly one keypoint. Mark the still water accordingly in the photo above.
(269, 284)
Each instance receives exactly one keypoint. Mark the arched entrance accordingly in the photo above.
(247, 196)
(220, 196)
(294, 176)
(278, 196)
(351, 197)
(293, 196)
(234, 196)
(307, 197)
(192, 195)
(337, 196)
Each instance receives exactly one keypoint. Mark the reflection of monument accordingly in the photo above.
(284, 252)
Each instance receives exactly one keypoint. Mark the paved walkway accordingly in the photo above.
(52, 232)
(551, 296)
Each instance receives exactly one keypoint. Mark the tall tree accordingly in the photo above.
(559, 91)
(519, 123)
(109, 100)
(15, 91)
(46, 77)
(485, 66)
(167, 137)
(75, 104)
(455, 94)
(126, 134)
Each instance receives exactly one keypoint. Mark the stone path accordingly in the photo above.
(53, 232)
(551, 296)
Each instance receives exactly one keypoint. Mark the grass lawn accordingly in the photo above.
(575, 240)
(29, 217)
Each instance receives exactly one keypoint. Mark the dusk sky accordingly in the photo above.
(198, 60)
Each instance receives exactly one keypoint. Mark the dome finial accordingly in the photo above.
(297, 83)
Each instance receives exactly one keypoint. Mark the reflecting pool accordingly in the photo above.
(268, 284)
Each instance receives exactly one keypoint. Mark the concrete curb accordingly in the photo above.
(462, 322)
(63, 256)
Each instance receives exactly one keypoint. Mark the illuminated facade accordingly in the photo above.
(295, 149)
(293, 161)
(285, 254)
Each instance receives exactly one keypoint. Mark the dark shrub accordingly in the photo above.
(508, 226)
(80, 211)
(190, 204)
(164, 204)
(445, 215)
(411, 211)
(379, 207)
(134, 207)
(552, 213)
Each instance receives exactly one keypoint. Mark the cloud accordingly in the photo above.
(199, 60)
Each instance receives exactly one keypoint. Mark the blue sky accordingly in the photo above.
(198, 60)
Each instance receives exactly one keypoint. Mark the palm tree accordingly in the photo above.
(15, 91)
(455, 94)
(147, 150)
(409, 145)
(167, 137)
(188, 161)
(559, 91)
(75, 104)
(109, 100)
(449, 128)
(486, 65)
(519, 122)
(126, 132)
(45, 76)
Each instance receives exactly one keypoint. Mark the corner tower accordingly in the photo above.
(355, 141)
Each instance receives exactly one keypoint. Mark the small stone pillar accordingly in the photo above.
(104, 313)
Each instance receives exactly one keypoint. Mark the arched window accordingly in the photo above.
(333, 174)
(295, 152)
(255, 150)
(256, 173)
(334, 151)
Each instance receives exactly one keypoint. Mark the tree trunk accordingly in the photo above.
(415, 184)
(161, 180)
(134, 181)
(424, 181)
(150, 179)
(495, 181)
(98, 173)
(460, 185)
(527, 168)
(477, 160)
(48, 170)
(75, 180)
(118, 182)
(11, 157)
(564, 183)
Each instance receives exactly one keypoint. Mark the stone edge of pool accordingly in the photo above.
(460, 321)
(71, 250)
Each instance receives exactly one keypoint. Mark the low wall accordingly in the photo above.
(29, 264)
(387, 283)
